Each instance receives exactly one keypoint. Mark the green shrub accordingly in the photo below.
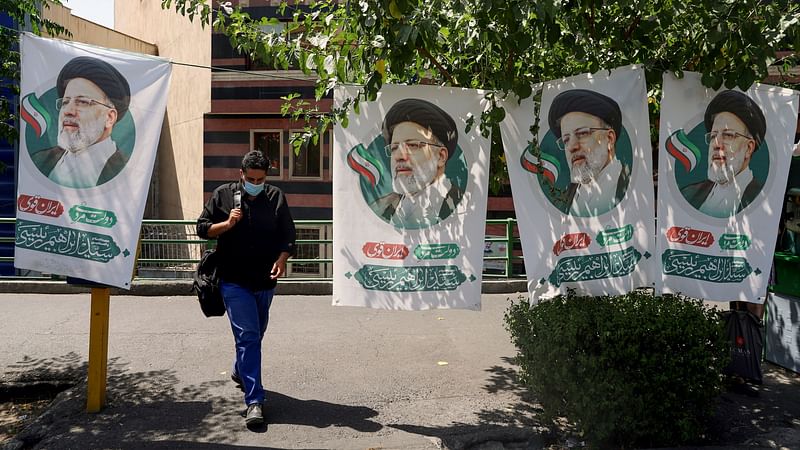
(632, 370)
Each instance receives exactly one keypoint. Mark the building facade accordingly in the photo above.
(246, 115)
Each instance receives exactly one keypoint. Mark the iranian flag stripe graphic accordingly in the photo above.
(365, 164)
(35, 114)
(550, 165)
(682, 149)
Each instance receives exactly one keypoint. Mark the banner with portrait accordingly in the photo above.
(584, 195)
(90, 125)
(724, 158)
(409, 199)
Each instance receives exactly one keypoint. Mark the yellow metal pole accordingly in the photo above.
(98, 350)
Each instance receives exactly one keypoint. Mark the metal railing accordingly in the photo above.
(171, 249)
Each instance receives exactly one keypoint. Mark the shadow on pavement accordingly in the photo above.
(70, 367)
(149, 410)
(172, 444)
(769, 420)
(516, 425)
(282, 409)
(524, 412)
(741, 419)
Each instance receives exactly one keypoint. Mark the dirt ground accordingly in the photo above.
(14, 416)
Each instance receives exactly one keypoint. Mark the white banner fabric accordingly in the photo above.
(723, 163)
(409, 200)
(91, 121)
(584, 198)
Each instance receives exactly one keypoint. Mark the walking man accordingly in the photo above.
(255, 236)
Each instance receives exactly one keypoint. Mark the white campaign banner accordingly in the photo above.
(91, 121)
(584, 197)
(409, 200)
(724, 160)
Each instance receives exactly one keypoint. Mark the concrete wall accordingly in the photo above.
(180, 153)
(91, 33)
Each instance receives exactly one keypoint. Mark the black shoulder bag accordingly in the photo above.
(206, 280)
(206, 285)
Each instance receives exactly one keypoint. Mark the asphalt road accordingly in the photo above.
(337, 377)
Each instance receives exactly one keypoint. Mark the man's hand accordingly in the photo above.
(221, 227)
(234, 217)
(279, 268)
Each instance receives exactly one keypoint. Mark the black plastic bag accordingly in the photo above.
(744, 333)
(206, 285)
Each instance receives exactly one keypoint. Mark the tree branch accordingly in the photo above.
(424, 51)
(590, 20)
(633, 26)
(510, 61)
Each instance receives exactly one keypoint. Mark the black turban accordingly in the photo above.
(101, 73)
(425, 114)
(742, 107)
(585, 101)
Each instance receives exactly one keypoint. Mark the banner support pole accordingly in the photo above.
(98, 350)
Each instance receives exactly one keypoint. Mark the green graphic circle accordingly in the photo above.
(557, 193)
(455, 170)
(759, 164)
(123, 133)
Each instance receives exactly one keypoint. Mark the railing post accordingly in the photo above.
(509, 246)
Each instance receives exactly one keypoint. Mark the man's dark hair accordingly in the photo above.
(254, 160)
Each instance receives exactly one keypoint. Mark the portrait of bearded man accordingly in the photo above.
(420, 138)
(735, 127)
(93, 96)
(587, 126)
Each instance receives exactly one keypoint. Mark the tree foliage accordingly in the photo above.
(508, 46)
(24, 12)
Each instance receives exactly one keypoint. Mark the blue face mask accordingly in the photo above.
(253, 189)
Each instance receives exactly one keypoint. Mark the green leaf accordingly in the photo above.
(404, 34)
(746, 79)
(523, 90)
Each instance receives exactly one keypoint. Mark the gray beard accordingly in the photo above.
(721, 174)
(583, 174)
(83, 138)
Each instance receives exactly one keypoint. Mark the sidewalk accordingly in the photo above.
(338, 377)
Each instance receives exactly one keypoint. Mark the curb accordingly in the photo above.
(178, 287)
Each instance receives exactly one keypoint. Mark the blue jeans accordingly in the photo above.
(248, 312)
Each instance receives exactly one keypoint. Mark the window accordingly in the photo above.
(269, 143)
(308, 164)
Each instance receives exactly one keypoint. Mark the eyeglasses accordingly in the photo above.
(80, 102)
(409, 146)
(581, 134)
(725, 136)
